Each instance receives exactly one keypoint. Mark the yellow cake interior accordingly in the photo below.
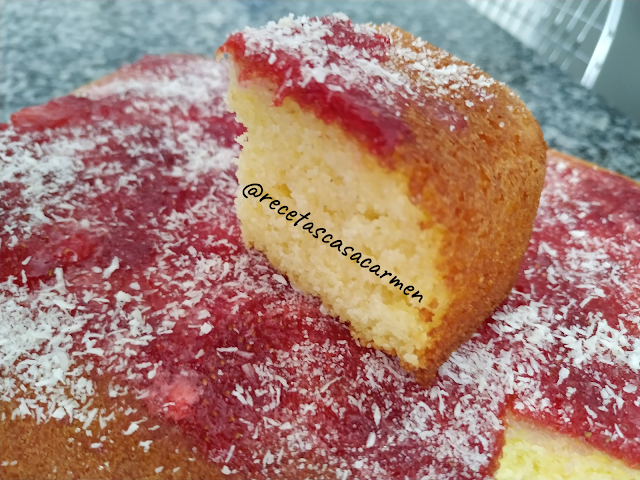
(532, 453)
(312, 167)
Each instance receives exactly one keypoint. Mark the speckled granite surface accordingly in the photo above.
(48, 48)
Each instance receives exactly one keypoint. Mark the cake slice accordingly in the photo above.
(378, 172)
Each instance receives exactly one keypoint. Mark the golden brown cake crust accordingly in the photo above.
(64, 450)
(483, 184)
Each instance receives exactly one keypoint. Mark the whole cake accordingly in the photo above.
(419, 173)
(140, 338)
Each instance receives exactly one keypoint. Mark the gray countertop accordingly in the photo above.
(48, 48)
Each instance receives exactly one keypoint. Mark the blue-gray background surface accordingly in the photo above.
(48, 48)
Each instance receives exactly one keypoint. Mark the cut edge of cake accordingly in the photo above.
(531, 452)
(314, 168)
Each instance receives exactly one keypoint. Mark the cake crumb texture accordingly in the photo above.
(314, 168)
(531, 453)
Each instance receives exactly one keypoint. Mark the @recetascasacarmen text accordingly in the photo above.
(256, 190)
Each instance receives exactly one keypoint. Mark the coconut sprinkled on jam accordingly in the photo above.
(362, 76)
(82, 184)
(121, 258)
(574, 311)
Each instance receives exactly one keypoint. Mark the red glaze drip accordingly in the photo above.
(250, 363)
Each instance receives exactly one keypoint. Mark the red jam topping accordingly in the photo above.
(121, 255)
(348, 74)
(580, 352)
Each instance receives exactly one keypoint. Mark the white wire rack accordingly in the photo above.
(574, 34)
